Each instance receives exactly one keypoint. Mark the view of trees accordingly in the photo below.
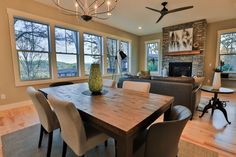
(111, 55)
(152, 56)
(32, 44)
(67, 53)
(92, 51)
(124, 46)
(34, 52)
(228, 51)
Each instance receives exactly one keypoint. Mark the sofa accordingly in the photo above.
(185, 90)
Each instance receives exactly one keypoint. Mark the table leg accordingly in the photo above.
(125, 147)
(209, 105)
(220, 107)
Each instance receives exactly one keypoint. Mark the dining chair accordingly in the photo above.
(162, 139)
(55, 84)
(78, 136)
(137, 86)
(109, 83)
(47, 117)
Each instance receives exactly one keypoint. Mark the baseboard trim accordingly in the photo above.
(15, 105)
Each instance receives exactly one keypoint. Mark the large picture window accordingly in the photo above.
(67, 53)
(92, 51)
(124, 46)
(112, 49)
(152, 53)
(227, 51)
(33, 50)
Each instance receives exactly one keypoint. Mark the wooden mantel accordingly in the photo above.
(194, 52)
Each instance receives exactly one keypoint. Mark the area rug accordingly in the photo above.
(23, 143)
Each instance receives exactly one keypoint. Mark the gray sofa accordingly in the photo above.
(185, 90)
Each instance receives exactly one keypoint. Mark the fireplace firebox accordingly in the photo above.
(177, 69)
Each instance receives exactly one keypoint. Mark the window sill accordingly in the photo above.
(48, 81)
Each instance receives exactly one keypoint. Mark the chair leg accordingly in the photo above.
(115, 148)
(50, 144)
(106, 143)
(40, 136)
(64, 149)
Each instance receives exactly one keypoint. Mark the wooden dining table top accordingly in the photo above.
(121, 109)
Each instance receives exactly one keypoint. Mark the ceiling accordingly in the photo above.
(131, 14)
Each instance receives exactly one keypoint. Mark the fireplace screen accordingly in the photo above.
(180, 69)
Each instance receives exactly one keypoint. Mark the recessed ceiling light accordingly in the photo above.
(139, 27)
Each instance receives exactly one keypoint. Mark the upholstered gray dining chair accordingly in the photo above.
(137, 86)
(162, 139)
(78, 136)
(47, 117)
(109, 83)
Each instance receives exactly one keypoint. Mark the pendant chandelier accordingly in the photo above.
(87, 9)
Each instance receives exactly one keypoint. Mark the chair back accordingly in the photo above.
(47, 117)
(163, 138)
(72, 127)
(137, 86)
(109, 83)
(55, 84)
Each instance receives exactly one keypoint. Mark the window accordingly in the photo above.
(92, 51)
(33, 50)
(112, 50)
(227, 51)
(124, 46)
(67, 53)
(152, 56)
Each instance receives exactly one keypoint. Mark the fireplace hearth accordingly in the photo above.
(177, 69)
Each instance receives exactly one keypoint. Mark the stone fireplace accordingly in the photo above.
(199, 44)
(177, 69)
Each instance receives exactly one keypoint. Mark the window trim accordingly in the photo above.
(77, 54)
(52, 23)
(101, 52)
(158, 72)
(16, 52)
(219, 33)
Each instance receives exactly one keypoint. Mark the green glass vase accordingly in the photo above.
(95, 79)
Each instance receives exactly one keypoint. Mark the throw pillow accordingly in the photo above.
(145, 74)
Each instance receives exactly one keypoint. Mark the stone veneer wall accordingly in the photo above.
(199, 38)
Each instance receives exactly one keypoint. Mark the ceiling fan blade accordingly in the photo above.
(153, 9)
(162, 15)
(179, 9)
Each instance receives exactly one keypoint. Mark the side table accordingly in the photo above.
(214, 102)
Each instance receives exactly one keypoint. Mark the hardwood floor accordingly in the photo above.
(210, 132)
(213, 132)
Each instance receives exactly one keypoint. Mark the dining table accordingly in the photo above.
(120, 113)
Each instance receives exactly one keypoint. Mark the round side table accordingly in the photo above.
(214, 102)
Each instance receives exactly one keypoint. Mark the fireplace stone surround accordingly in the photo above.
(199, 37)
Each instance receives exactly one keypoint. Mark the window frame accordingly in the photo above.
(16, 52)
(101, 55)
(128, 56)
(77, 54)
(52, 23)
(219, 33)
(158, 41)
(117, 50)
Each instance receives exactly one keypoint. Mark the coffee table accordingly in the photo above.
(214, 102)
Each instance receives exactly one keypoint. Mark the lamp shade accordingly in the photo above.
(122, 55)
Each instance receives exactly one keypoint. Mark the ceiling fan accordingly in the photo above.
(165, 11)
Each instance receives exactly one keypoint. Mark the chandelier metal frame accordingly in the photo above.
(88, 9)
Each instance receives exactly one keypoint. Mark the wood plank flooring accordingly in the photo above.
(211, 132)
